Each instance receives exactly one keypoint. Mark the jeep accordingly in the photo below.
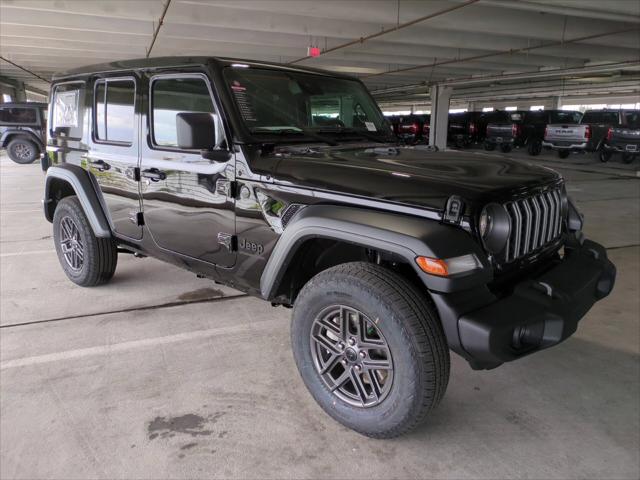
(23, 130)
(287, 183)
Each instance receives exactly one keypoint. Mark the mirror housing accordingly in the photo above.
(199, 131)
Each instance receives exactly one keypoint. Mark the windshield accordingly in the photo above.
(277, 102)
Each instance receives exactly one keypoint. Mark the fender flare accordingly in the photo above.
(6, 138)
(81, 184)
(402, 235)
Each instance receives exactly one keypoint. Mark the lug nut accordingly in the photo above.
(341, 346)
(343, 361)
(358, 368)
(352, 341)
(362, 354)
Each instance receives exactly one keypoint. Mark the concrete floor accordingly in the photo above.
(160, 374)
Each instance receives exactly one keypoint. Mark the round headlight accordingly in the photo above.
(494, 226)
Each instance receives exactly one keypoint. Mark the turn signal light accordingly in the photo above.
(609, 134)
(434, 266)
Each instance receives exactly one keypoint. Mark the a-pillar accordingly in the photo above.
(440, 99)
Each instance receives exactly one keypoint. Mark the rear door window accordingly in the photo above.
(114, 110)
(18, 116)
(565, 117)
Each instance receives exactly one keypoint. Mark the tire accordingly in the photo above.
(99, 258)
(489, 146)
(22, 151)
(534, 148)
(417, 349)
(604, 156)
(564, 153)
(628, 157)
(505, 148)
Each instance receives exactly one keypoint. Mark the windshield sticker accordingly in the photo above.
(371, 126)
(244, 103)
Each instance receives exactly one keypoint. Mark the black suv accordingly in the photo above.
(23, 130)
(390, 256)
(414, 129)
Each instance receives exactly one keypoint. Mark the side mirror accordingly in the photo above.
(201, 131)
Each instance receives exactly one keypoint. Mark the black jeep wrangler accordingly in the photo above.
(287, 183)
(23, 130)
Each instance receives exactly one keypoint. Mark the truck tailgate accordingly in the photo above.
(565, 134)
(496, 130)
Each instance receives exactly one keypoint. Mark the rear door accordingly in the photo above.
(188, 202)
(113, 154)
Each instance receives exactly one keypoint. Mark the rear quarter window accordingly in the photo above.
(18, 116)
(67, 105)
(632, 119)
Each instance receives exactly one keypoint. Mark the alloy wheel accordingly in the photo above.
(351, 356)
(71, 244)
(22, 151)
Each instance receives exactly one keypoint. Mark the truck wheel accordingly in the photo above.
(87, 260)
(489, 146)
(534, 148)
(628, 157)
(563, 153)
(505, 148)
(604, 156)
(370, 349)
(22, 151)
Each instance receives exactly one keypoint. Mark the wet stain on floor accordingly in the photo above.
(189, 424)
(201, 294)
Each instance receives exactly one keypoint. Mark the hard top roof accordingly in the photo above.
(184, 61)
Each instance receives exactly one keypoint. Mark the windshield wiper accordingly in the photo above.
(367, 135)
(294, 130)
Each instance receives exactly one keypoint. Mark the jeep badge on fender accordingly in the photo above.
(277, 180)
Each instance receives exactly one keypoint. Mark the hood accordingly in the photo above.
(409, 175)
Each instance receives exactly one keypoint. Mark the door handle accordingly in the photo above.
(100, 165)
(154, 174)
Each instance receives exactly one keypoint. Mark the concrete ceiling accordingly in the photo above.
(444, 39)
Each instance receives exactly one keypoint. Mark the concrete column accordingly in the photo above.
(21, 94)
(440, 99)
(471, 107)
(555, 102)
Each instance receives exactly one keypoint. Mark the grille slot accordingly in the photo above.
(289, 212)
(536, 221)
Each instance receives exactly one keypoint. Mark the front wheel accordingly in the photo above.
(86, 259)
(370, 349)
(22, 151)
(628, 157)
(563, 153)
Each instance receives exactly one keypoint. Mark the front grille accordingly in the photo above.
(536, 221)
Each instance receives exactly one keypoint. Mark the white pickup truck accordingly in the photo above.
(587, 136)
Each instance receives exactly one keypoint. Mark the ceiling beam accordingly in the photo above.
(390, 30)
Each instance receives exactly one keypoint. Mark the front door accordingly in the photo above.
(112, 156)
(187, 201)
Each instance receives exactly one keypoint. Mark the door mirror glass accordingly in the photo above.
(198, 131)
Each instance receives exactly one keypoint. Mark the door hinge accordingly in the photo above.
(229, 241)
(137, 218)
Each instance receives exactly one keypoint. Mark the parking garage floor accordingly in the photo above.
(162, 374)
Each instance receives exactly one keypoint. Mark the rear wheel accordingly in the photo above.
(604, 156)
(563, 153)
(370, 349)
(86, 259)
(628, 157)
(22, 151)
(534, 148)
(505, 148)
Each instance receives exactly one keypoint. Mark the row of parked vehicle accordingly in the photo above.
(605, 132)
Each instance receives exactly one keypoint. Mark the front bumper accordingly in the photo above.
(540, 312)
(631, 148)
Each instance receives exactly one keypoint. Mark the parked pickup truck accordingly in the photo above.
(414, 129)
(528, 130)
(624, 139)
(505, 131)
(587, 136)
